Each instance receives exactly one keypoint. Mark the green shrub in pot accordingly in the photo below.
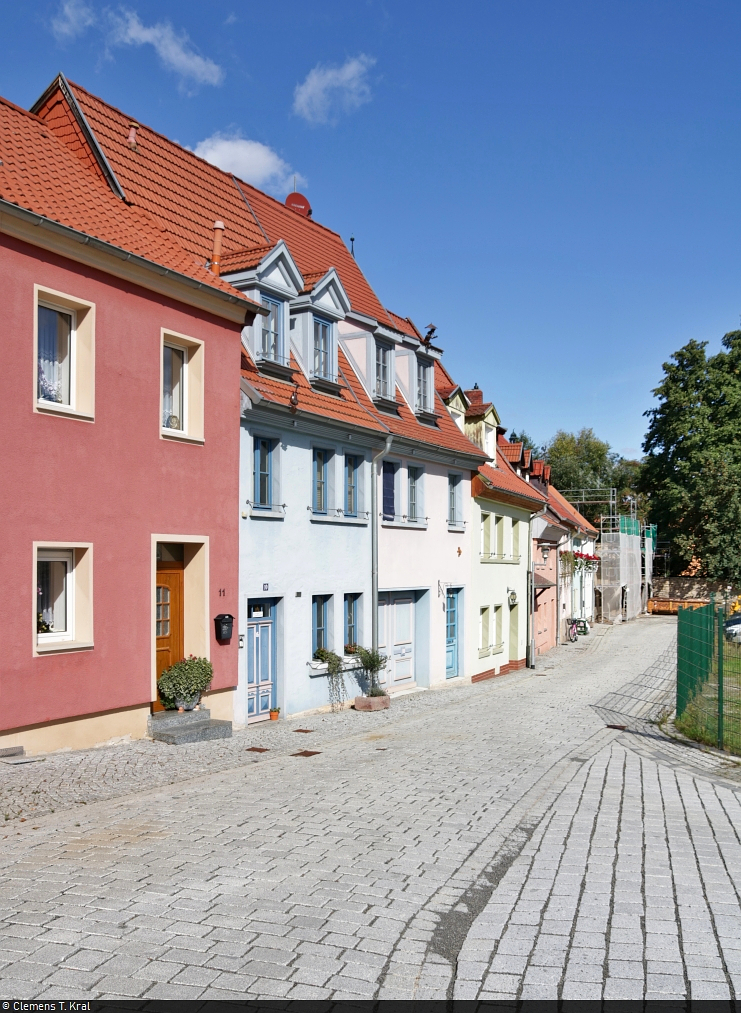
(182, 684)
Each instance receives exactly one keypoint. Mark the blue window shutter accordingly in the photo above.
(388, 491)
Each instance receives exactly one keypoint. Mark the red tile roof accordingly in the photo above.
(172, 186)
(342, 408)
(188, 194)
(44, 175)
(404, 325)
(504, 479)
(568, 513)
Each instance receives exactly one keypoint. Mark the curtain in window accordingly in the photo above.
(172, 387)
(54, 355)
(51, 611)
(389, 472)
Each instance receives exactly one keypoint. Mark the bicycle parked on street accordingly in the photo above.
(574, 627)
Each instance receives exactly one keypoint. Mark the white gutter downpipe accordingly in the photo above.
(374, 540)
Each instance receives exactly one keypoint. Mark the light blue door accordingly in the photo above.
(260, 660)
(451, 635)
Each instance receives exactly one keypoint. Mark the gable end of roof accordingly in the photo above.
(60, 84)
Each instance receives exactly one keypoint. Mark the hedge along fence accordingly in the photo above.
(708, 677)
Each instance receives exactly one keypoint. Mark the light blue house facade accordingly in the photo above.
(305, 536)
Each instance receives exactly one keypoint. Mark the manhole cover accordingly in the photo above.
(257, 749)
(307, 752)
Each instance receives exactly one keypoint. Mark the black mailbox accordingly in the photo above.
(224, 624)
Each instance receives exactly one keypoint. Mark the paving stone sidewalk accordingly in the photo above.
(491, 839)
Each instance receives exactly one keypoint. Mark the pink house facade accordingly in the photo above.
(120, 412)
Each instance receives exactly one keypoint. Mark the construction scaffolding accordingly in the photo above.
(625, 573)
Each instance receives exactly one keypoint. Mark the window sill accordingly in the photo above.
(53, 646)
(484, 652)
(318, 669)
(327, 385)
(501, 559)
(175, 434)
(275, 512)
(50, 408)
(414, 525)
(460, 528)
(358, 522)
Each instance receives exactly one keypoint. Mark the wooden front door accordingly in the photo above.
(168, 617)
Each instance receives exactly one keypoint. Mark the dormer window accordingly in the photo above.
(271, 345)
(423, 386)
(383, 371)
(322, 348)
(457, 417)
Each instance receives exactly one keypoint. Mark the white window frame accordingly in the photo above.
(67, 556)
(183, 431)
(390, 384)
(42, 402)
(427, 368)
(79, 592)
(193, 420)
(81, 354)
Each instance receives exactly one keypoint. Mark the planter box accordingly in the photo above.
(371, 703)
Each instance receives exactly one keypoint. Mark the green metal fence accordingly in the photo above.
(709, 676)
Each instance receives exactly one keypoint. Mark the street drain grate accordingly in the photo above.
(303, 731)
(307, 752)
(257, 749)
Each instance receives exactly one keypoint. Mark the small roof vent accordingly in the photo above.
(297, 202)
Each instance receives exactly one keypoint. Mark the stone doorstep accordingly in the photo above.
(176, 728)
(371, 703)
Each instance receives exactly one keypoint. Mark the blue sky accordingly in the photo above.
(556, 186)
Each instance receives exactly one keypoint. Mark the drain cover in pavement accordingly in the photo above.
(257, 749)
(307, 752)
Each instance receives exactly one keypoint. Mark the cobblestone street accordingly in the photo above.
(487, 841)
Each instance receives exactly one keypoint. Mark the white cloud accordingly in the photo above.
(251, 161)
(73, 18)
(328, 91)
(173, 48)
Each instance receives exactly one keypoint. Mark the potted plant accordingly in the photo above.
(351, 649)
(376, 698)
(180, 686)
(274, 712)
(337, 688)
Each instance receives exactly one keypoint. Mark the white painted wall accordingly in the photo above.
(426, 558)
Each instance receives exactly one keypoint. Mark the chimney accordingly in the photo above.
(216, 256)
(475, 396)
(133, 127)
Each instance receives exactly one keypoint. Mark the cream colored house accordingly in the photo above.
(502, 505)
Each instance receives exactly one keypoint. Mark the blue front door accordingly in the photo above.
(451, 634)
(260, 659)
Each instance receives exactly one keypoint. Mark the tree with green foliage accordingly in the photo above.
(583, 461)
(692, 469)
